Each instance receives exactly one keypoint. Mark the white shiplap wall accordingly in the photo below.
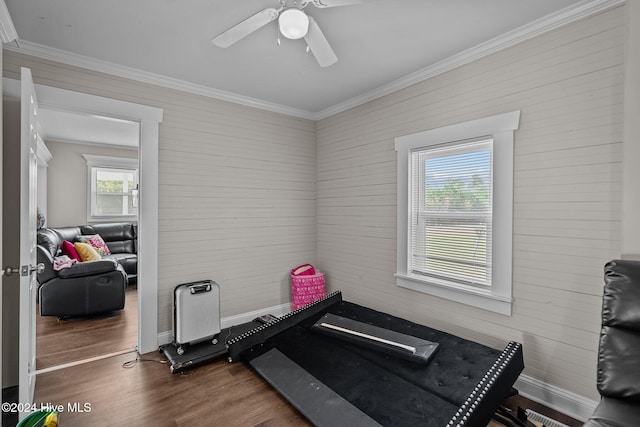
(237, 192)
(568, 84)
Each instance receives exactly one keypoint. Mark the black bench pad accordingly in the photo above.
(462, 385)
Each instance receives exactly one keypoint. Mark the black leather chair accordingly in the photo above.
(84, 289)
(619, 349)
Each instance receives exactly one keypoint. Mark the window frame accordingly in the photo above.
(95, 162)
(500, 128)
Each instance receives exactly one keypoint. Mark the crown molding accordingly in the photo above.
(69, 58)
(7, 30)
(547, 23)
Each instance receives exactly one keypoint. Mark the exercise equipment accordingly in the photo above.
(335, 382)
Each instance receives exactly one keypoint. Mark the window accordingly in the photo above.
(451, 212)
(113, 188)
(455, 197)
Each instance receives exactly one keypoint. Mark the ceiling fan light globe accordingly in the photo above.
(293, 23)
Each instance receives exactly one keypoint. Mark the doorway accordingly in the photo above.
(89, 179)
(148, 119)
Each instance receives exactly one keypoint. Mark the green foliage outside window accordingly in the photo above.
(113, 186)
(455, 195)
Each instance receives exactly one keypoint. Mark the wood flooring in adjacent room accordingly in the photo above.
(64, 341)
(147, 394)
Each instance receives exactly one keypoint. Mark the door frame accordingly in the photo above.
(149, 119)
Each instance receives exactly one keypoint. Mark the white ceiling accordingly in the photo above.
(64, 126)
(377, 43)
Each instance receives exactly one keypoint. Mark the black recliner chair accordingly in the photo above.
(619, 349)
(84, 289)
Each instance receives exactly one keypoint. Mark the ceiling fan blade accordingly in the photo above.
(319, 45)
(246, 27)
(334, 3)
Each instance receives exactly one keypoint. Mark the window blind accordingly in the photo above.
(451, 212)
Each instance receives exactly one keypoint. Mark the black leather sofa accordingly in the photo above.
(89, 287)
(619, 348)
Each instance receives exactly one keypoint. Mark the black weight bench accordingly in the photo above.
(333, 382)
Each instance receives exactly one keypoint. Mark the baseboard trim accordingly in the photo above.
(277, 310)
(568, 403)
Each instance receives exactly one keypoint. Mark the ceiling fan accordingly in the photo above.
(293, 23)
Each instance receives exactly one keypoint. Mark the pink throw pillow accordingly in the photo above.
(97, 243)
(69, 250)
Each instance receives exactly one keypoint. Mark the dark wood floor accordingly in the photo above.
(148, 394)
(64, 341)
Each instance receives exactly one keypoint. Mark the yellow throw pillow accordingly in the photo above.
(86, 251)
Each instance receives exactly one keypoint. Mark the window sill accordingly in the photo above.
(468, 295)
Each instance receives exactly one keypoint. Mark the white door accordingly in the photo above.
(28, 194)
(1, 259)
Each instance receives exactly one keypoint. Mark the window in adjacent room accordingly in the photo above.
(113, 188)
(455, 201)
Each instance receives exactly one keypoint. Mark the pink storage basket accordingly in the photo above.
(306, 289)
